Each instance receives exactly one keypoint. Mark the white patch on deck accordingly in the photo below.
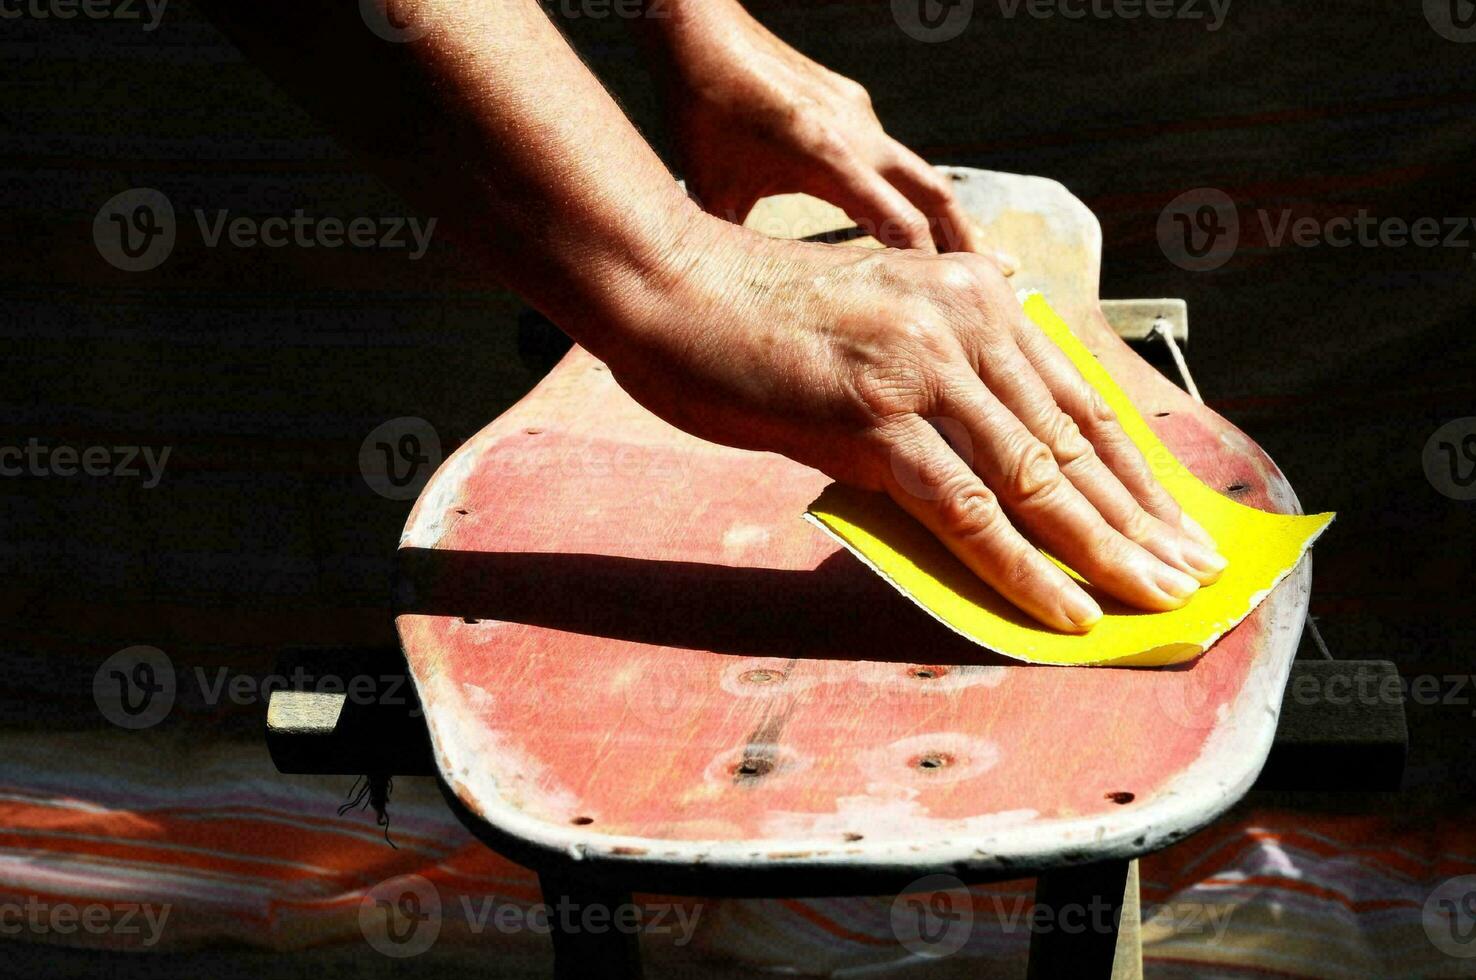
(777, 761)
(489, 763)
(929, 759)
(886, 813)
(479, 697)
(741, 537)
(480, 633)
(764, 677)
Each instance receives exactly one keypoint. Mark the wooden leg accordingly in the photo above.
(1127, 964)
(588, 937)
(1086, 924)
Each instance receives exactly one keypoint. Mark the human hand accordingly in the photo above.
(917, 375)
(754, 117)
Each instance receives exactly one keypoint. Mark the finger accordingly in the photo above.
(952, 227)
(1039, 493)
(932, 483)
(1030, 398)
(1099, 424)
(1046, 392)
(874, 204)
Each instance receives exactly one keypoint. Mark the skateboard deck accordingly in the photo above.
(634, 654)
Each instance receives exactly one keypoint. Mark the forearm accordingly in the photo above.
(491, 123)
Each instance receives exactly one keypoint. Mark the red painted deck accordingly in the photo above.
(631, 646)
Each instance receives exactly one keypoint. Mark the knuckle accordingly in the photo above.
(1019, 572)
(1033, 474)
(1115, 550)
(1165, 507)
(1139, 525)
(1067, 442)
(998, 290)
(920, 474)
(968, 511)
(1099, 415)
(989, 294)
(855, 91)
(814, 132)
(888, 390)
(959, 275)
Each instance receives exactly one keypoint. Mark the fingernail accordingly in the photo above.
(1009, 265)
(1080, 609)
(1204, 560)
(1193, 528)
(1175, 583)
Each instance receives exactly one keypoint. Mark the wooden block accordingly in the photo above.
(334, 732)
(1342, 728)
(1136, 319)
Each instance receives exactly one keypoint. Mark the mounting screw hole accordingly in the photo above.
(1121, 797)
(928, 672)
(762, 676)
(930, 761)
(753, 767)
(582, 821)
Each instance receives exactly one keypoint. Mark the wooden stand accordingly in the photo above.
(580, 579)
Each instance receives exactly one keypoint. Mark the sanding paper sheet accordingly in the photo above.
(1261, 548)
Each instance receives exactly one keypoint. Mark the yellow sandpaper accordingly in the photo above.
(1261, 547)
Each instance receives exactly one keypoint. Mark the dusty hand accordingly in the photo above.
(754, 117)
(918, 375)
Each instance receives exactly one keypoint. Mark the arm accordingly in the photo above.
(835, 357)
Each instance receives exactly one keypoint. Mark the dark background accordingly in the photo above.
(264, 369)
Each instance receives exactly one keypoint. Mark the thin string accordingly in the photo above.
(1164, 332)
(372, 791)
(1317, 637)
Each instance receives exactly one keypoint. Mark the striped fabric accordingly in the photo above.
(241, 854)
